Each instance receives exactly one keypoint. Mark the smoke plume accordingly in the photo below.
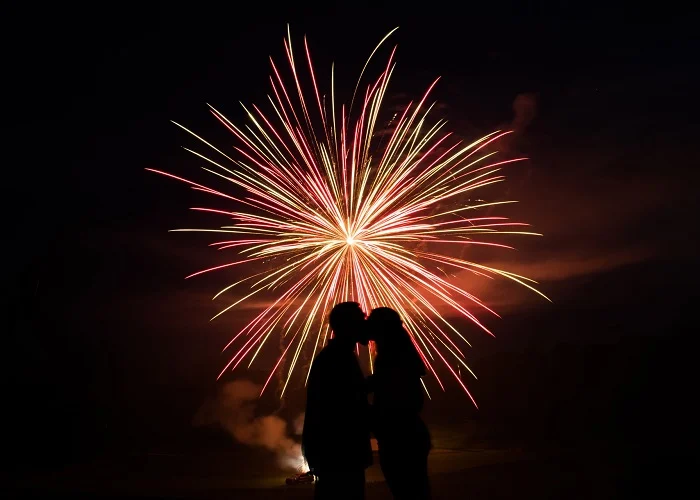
(524, 111)
(234, 410)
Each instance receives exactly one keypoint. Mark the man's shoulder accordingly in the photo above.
(329, 358)
(325, 355)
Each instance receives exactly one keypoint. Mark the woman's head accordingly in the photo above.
(391, 338)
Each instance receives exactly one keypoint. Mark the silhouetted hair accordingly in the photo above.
(394, 343)
(342, 314)
(385, 316)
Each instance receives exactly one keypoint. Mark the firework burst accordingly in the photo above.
(338, 211)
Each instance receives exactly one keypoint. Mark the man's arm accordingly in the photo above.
(310, 438)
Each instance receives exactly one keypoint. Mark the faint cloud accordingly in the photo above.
(503, 294)
(573, 265)
(524, 110)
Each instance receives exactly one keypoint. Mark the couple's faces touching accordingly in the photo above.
(352, 323)
(365, 329)
(362, 328)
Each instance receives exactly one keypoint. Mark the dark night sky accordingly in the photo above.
(104, 328)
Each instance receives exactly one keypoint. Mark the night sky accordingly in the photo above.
(107, 338)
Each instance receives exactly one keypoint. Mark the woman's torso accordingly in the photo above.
(398, 401)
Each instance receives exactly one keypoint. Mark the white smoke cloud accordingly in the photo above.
(234, 410)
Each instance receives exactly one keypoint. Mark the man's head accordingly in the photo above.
(347, 322)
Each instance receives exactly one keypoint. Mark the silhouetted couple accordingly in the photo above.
(339, 419)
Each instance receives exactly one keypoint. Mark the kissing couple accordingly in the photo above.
(339, 419)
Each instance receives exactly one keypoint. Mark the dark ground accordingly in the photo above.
(604, 421)
(468, 474)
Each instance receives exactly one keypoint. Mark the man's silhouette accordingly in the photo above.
(335, 439)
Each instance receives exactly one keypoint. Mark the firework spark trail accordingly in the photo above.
(333, 223)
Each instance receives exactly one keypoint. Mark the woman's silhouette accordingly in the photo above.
(403, 438)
